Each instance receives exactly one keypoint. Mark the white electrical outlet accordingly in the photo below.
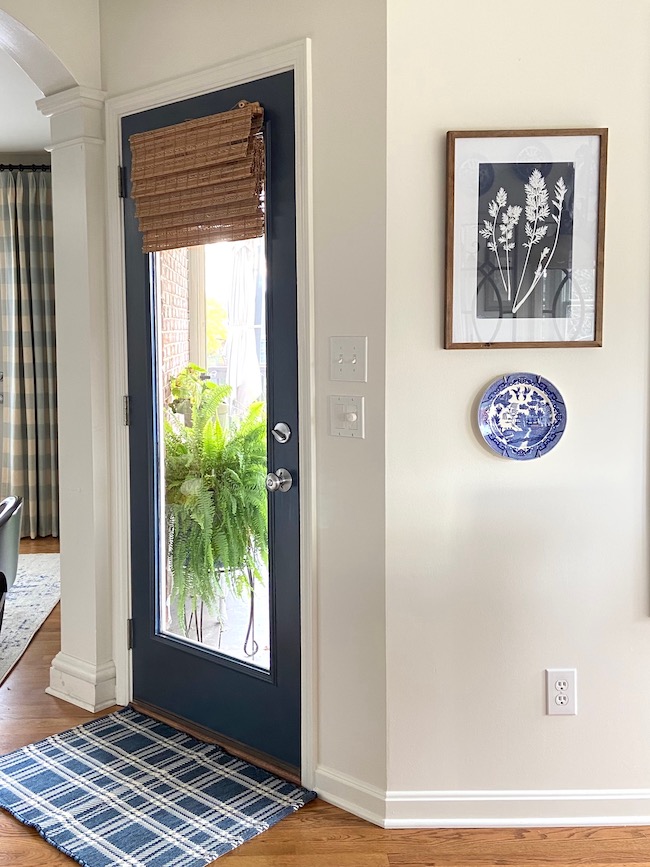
(561, 691)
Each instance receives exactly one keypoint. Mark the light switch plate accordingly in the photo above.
(347, 416)
(349, 359)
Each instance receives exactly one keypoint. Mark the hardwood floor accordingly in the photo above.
(27, 714)
(319, 835)
(42, 545)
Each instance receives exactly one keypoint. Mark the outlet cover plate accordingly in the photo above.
(561, 691)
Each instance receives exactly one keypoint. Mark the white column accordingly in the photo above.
(83, 672)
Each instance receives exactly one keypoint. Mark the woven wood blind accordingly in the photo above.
(200, 181)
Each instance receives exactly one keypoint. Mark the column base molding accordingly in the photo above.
(91, 687)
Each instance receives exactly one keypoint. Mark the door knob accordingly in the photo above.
(280, 481)
(282, 432)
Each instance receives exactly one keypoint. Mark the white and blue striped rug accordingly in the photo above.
(128, 790)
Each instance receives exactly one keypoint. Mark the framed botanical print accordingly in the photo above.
(525, 238)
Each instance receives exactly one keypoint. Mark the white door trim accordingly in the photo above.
(196, 306)
(295, 56)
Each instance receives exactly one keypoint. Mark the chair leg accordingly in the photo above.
(3, 596)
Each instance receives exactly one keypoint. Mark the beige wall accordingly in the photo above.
(498, 569)
(449, 578)
(349, 123)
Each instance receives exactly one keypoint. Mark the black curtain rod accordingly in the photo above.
(21, 168)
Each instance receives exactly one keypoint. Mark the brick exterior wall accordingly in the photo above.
(173, 289)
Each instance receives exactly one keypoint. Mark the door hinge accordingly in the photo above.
(129, 633)
(121, 170)
(127, 410)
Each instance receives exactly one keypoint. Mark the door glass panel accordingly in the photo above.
(213, 588)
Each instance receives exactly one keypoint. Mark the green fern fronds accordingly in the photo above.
(216, 498)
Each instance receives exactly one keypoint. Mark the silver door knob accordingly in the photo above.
(282, 432)
(280, 481)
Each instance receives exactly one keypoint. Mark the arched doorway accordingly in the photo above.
(33, 56)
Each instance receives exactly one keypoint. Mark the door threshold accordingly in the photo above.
(235, 748)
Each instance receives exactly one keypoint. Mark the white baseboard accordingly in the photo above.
(484, 808)
(350, 794)
(517, 808)
(81, 683)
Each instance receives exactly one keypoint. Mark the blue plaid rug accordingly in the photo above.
(128, 790)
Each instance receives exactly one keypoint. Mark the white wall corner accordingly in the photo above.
(91, 687)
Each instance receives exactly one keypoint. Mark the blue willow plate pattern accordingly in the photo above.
(521, 416)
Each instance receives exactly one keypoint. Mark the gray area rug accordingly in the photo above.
(32, 597)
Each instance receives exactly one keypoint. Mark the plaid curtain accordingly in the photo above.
(28, 453)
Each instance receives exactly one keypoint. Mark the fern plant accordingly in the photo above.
(216, 501)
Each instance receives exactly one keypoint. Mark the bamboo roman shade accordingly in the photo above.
(200, 181)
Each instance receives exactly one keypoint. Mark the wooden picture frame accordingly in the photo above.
(525, 238)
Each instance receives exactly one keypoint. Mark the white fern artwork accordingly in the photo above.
(499, 232)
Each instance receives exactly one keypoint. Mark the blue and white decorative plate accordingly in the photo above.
(521, 416)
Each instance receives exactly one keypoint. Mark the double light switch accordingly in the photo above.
(349, 359)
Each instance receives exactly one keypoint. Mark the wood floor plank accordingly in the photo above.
(332, 859)
(42, 545)
(318, 835)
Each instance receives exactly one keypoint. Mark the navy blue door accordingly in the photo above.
(175, 669)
